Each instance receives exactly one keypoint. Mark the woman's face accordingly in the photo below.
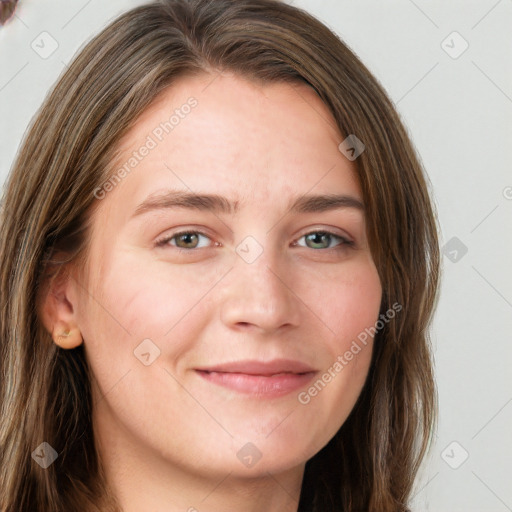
(252, 288)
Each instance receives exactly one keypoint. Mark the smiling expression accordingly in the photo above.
(227, 271)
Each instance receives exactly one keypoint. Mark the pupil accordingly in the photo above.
(318, 235)
(186, 237)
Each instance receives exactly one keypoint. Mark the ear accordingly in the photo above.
(56, 309)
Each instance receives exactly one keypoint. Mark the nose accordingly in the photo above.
(259, 296)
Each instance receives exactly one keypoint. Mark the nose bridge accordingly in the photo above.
(258, 292)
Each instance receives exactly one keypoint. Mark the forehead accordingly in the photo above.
(225, 134)
(232, 97)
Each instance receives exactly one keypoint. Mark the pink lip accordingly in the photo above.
(268, 379)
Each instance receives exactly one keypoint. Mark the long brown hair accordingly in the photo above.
(45, 394)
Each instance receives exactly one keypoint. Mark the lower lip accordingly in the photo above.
(271, 386)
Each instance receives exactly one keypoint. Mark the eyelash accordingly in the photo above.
(345, 242)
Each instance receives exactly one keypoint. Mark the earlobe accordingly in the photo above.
(57, 313)
(67, 338)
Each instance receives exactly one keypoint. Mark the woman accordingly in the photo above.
(173, 338)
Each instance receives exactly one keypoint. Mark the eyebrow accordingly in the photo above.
(220, 204)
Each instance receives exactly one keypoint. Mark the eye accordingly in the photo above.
(188, 240)
(319, 239)
(184, 240)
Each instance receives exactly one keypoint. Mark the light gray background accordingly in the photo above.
(457, 107)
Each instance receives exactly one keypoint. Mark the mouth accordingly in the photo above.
(264, 379)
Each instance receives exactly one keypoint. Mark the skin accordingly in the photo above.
(168, 438)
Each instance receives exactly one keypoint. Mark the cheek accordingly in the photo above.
(350, 310)
(117, 312)
(127, 303)
(346, 301)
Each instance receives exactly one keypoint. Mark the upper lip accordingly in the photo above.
(255, 367)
